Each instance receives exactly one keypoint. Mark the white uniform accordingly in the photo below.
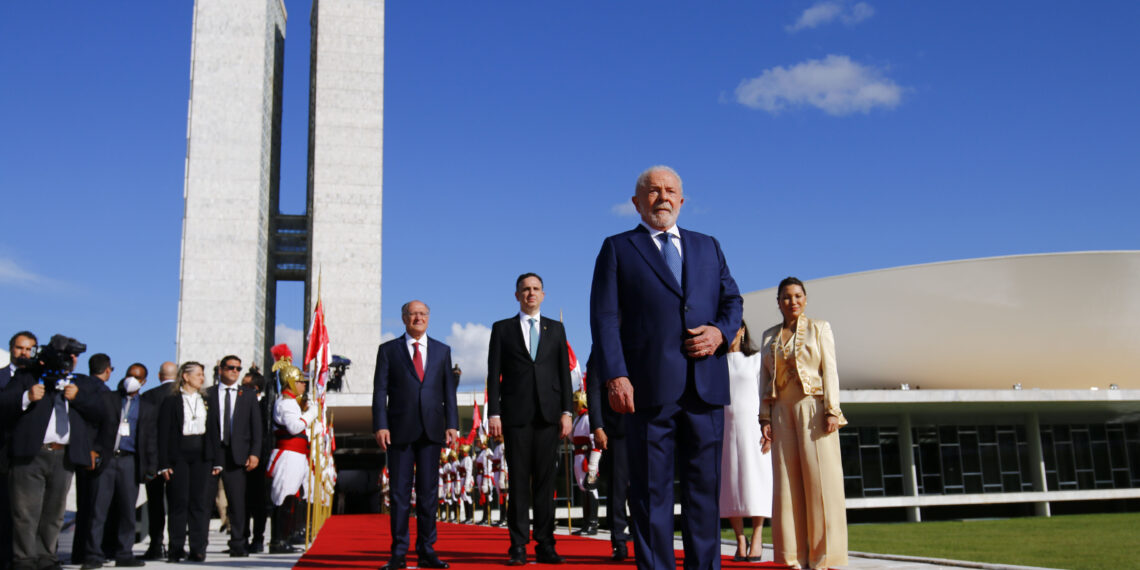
(289, 462)
(487, 474)
(467, 479)
(499, 467)
(586, 453)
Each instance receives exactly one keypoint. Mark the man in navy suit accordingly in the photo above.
(20, 347)
(662, 307)
(413, 415)
(528, 403)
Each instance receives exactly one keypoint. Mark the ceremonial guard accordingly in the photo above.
(586, 458)
(467, 482)
(385, 488)
(486, 478)
(499, 468)
(444, 485)
(289, 460)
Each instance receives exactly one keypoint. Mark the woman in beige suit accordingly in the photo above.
(799, 412)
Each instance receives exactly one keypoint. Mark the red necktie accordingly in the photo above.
(418, 361)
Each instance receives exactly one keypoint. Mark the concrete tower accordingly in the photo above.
(346, 112)
(236, 245)
(233, 144)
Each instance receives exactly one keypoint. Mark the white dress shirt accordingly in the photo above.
(674, 236)
(408, 340)
(50, 436)
(524, 321)
(193, 413)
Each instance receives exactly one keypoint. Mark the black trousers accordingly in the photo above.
(84, 505)
(156, 511)
(116, 490)
(234, 481)
(5, 513)
(615, 465)
(187, 499)
(256, 504)
(532, 458)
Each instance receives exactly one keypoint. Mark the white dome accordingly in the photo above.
(1051, 321)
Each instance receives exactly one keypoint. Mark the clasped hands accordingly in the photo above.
(703, 341)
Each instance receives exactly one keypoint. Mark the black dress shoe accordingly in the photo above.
(176, 556)
(281, 547)
(431, 560)
(516, 556)
(131, 562)
(547, 556)
(154, 553)
(395, 563)
(238, 554)
(256, 547)
(197, 557)
(621, 552)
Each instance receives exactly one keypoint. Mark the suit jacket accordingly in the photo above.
(815, 365)
(27, 427)
(598, 403)
(639, 315)
(170, 418)
(408, 407)
(245, 440)
(5, 376)
(145, 432)
(520, 389)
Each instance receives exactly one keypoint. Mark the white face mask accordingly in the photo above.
(132, 385)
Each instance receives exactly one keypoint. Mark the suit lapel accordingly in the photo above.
(543, 331)
(517, 334)
(644, 245)
(434, 359)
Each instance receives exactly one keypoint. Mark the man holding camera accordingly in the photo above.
(48, 409)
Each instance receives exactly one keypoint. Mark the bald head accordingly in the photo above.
(168, 371)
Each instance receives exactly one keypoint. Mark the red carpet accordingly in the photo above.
(362, 541)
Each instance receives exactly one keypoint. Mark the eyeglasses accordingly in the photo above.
(229, 367)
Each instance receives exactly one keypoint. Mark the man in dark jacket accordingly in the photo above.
(47, 409)
(130, 448)
(240, 433)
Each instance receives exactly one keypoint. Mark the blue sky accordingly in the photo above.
(814, 139)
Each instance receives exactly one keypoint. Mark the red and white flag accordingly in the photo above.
(317, 350)
(575, 370)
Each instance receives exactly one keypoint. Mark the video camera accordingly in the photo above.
(54, 360)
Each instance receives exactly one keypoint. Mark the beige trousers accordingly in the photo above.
(809, 516)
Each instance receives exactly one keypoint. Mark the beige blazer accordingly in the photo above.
(815, 363)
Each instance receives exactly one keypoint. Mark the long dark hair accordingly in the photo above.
(746, 345)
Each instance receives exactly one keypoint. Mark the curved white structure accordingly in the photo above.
(1049, 321)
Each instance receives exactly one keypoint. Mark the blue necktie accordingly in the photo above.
(672, 256)
(533, 339)
(60, 415)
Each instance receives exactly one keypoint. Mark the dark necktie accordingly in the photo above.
(672, 256)
(60, 414)
(418, 361)
(226, 418)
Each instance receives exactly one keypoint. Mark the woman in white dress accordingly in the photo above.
(746, 465)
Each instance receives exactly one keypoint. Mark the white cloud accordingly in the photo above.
(5, 358)
(11, 273)
(292, 337)
(828, 11)
(469, 350)
(835, 84)
(387, 336)
(624, 209)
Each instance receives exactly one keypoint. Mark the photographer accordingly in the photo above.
(48, 410)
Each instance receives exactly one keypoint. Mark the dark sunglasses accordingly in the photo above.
(229, 367)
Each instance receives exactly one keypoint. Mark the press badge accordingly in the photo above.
(125, 428)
